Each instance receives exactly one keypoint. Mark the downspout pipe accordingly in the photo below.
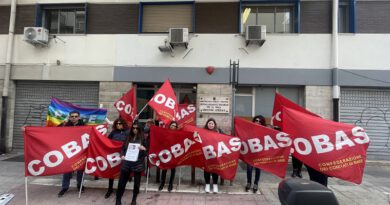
(335, 61)
(7, 74)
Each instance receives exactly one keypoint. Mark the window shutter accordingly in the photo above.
(159, 18)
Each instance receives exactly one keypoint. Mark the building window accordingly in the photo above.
(158, 18)
(265, 95)
(277, 18)
(64, 19)
(346, 17)
(244, 102)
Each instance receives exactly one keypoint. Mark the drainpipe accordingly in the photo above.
(7, 74)
(335, 61)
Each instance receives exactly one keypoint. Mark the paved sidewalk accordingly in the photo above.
(375, 188)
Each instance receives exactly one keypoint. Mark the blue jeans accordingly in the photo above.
(249, 174)
(66, 179)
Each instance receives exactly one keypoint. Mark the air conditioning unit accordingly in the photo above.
(36, 35)
(178, 36)
(255, 33)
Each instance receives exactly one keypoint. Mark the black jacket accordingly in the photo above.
(139, 165)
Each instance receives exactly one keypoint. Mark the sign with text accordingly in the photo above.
(211, 104)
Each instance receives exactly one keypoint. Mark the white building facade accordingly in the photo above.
(98, 49)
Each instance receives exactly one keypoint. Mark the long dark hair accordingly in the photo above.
(132, 136)
(215, 123)
(122, 121)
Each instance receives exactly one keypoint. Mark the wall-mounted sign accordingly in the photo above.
(211, 104)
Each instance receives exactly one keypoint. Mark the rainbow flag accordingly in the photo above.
(58, 112)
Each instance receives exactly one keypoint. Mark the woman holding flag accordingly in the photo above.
(211, 125)
(261, 121)
(119, 132)
(172, 126)
(133, 156)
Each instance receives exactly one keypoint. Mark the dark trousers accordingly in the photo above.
(317, 176)
(207, 176)
(249, 169)
(123, 178)
(66, 179)
(110, 184)
(164, 176)
(297, 165)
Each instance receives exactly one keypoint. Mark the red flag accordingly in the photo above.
(281, 101)
(127, 106)
(55, 150)
(104, 156)
(335, 149)
(221, 152)
(186, 115)
(263, 147)
(172, 148)
(164, 103)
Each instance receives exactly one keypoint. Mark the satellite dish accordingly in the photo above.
(30, 33)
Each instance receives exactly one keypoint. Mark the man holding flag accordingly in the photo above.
(74, 120)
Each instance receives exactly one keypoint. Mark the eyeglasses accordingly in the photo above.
(74, 116)
(119, 123)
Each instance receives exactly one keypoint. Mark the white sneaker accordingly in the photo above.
(207, 188)
(215, 189)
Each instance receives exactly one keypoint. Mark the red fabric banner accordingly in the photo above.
(127, 106)
(221, 152)
(55, 150)
(164, 103)
(281, 101)
(335, 149)
(263, 147)
(172, 148)
(104, 156)
(186, 115)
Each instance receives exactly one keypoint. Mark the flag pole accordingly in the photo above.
(82, 181)
(25, 182)
(147, 180)
(178, 186)
(136, 117)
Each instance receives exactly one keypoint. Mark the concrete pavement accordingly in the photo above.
(375, 188)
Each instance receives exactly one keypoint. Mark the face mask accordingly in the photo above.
(146, 129)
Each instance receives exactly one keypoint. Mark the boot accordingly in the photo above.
(207, 188)
(134, 200)
(299, 173)
(255, 187)
(108, 194)
(294, 174)
(247, 187)
(161, 187)
(170, 187)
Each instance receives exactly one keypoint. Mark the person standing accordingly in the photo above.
(137, 167)
(74, 120)
(211, 125)
(119, 132)
(261, 121)
(297, 167)
(172, 126)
